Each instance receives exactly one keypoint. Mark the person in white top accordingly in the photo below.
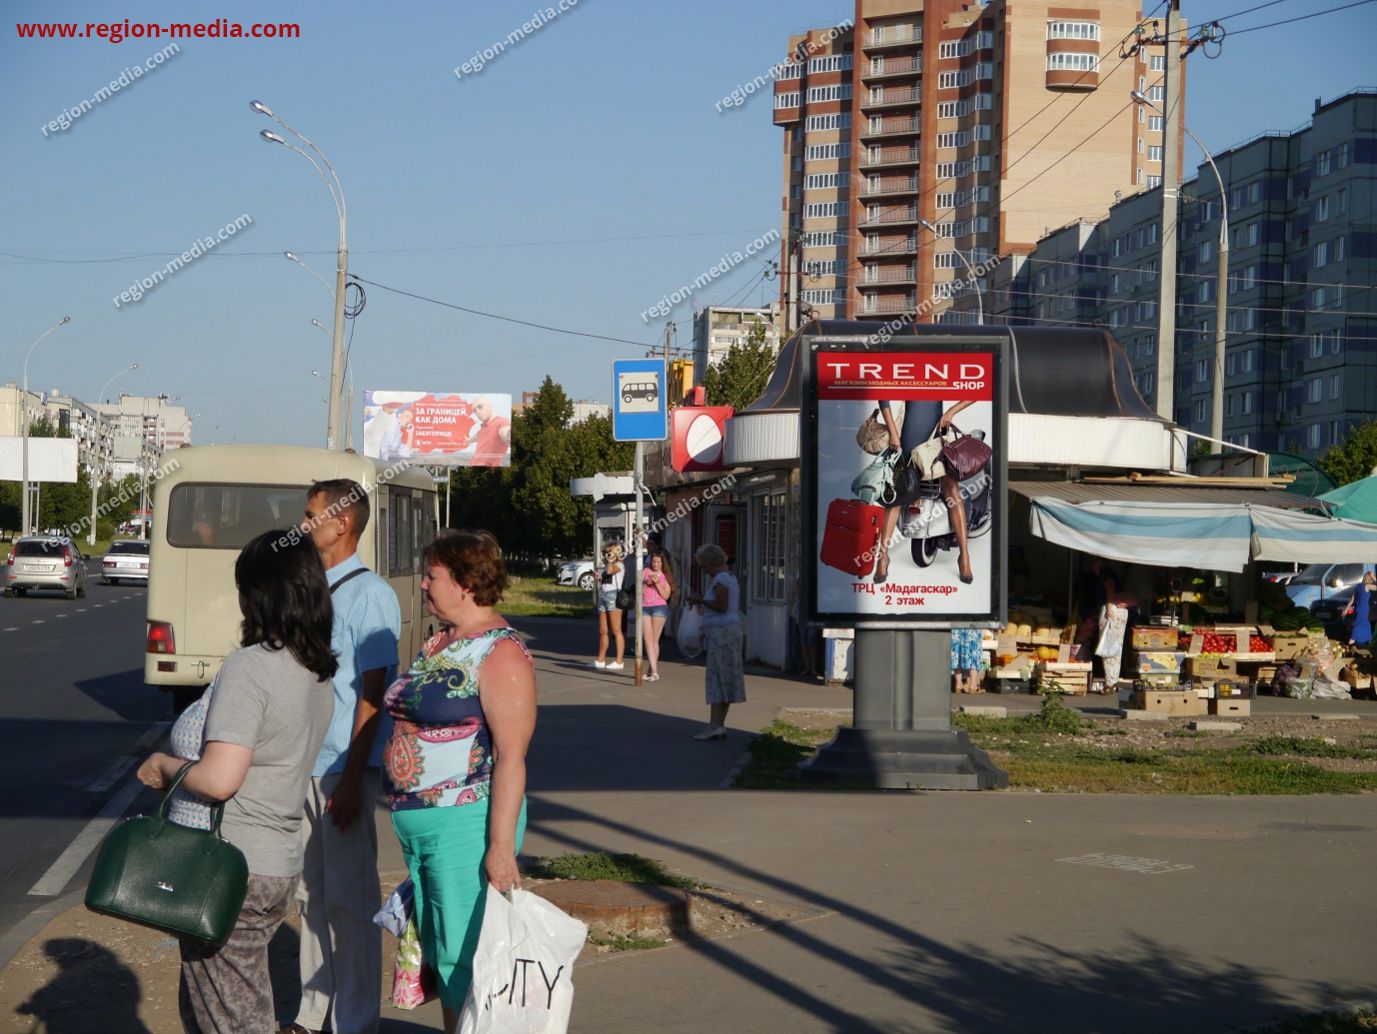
(724, 679)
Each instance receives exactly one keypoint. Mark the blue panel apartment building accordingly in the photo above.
(1301, 325)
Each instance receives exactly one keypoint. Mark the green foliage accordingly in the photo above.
(541, 597)
(1355, 457)
(1054, 716)
(741, 375)
(624, 942)
(599, 865)
(1307, 747)
(1326, 1023)
(776, 754)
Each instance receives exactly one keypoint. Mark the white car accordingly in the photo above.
(125, 562)
(577, 572)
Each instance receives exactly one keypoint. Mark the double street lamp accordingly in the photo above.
(98, 464)
(333, 185)
(975, 281)
(1222, 280)
(26, 521)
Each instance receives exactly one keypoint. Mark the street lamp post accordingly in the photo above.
(26, 523)
(1222, 281)
(333, 185)
(349, 409)
(98, 467)
(975, 281)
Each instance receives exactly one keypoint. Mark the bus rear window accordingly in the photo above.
(209, 516)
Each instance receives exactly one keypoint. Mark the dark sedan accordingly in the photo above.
(1336, 612)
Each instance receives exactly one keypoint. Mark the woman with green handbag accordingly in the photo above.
(263, 729)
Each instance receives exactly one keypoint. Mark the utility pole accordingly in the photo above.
(1171, 204)
(791, 319)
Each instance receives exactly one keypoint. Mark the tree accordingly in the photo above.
(1355, 457)
(741, 375)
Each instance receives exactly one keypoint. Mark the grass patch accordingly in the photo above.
(599, 865)
(624, 942)
(1326, 1023)
(1308, 747)
(542, 597)
(776, 754)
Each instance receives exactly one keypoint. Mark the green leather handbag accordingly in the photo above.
(183, 881)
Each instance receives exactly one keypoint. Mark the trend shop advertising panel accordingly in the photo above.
(907, 483)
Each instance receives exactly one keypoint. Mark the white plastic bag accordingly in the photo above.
(523, 968)
(691, 633)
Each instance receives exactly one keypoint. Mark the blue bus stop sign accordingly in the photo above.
(640, 412)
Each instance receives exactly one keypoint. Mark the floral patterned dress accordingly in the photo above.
(440, 752)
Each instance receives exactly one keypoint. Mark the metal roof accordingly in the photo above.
(1128, 492)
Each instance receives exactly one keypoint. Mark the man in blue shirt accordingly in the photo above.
(341, 948)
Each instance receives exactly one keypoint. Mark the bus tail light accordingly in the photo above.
(160, 639)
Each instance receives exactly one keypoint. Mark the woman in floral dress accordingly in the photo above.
(455, 764)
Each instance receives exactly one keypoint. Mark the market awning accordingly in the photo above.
(1209, 528)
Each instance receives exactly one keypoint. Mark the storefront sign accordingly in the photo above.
(912, 533)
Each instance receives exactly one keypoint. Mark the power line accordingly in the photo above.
(1300, 18)
(504, 319)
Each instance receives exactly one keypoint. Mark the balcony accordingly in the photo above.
(891, 185)
(880, 100)
(882, 276)
(879, 247)
(893, 217)
(883, 127)
(880, 68)
(893, 37)
(879, 305)
(886, 157)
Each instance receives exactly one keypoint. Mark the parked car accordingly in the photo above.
(1336, 611)
(45, 562)
(127, 561)
(577, 572)
(1318, 581)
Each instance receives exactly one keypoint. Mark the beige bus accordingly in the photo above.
(211, 500)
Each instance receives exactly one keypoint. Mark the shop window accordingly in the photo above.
(769, 519)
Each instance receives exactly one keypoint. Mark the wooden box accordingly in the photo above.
(1152, 637)
(1073, 678)
(1231, 707)
(1183, 703)
(1287, 645)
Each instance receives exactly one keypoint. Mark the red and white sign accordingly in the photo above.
(697, 435)
(906, 376)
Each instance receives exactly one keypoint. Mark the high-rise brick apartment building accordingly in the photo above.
(992, 123)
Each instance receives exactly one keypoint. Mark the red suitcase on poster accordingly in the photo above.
(851, 537)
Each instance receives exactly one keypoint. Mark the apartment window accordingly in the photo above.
(1341, 200)
(983, 101)
(1149, 346)
(1314, 389)
(1070, 63)
(1321, 212)
(789, 71)
(1323, 163)
(953, 48)
(787, 100)
(1321, 255)
(1157, 63)
(1157, 94)
(1148, 271)
(1335, 387)
(1326, 295)
(980, 163)
(1248, 362)
(830, 296)
(960, 139)
(1202, 371)
(1142, 115)
(798, 163)
(1206, 250)
(1154, 123)
(984, 40)
(979, 195)
(796, 192)
(825, 239)
(817, 94)
(1339, 248)
(1254, 192)
(1114, 283)
(831, 267)
(1199, 411)
(947, 260)
(830, 63)
(1230, 365)
(825, 210)
(1316, 345)
(1073, 30)
(1312, 436)
(826, 181)
(1154, 154)
(1229, 405)
(1341, 155)
(953, 80)
(951, 109)
(820, 123)
(949, 170)
(1206, 291)
(827, 152)
(1246, 403)
(947, 200)
(984, 70)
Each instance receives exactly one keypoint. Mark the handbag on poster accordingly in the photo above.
(926, 459)
(875, 484)
(873, 434)
(964, 455)
(183, 881)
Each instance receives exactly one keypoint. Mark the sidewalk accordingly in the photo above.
(924, 911)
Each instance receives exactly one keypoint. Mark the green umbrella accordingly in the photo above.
(1356, 501)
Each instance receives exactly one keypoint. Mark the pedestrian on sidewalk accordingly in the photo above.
(341, 947)
(657, 586)
(456, 760)
(607, 613)
(263, 730)
(724, 678)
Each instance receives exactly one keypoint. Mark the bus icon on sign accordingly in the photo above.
(638, 393)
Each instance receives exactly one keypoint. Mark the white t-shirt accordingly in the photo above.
(732, 615)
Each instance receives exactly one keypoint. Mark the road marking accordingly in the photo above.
(11, 630)
(81, 610)
(60, 873)
(59, 615)
(97, 606)
(1128, 863)
(36, 621)
(121, 765)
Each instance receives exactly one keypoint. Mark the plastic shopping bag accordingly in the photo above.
(413, 982)
(691, 633)
(523, 967)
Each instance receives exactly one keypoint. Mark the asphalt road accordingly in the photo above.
(74, 711)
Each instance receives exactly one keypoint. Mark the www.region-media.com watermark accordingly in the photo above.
(723, 266)
(492, 51)
(139, 288)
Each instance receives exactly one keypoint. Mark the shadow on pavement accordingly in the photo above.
(1032, 986)
(125, 694)
(93, 990)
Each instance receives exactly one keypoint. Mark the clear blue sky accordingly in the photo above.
(599, 125)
